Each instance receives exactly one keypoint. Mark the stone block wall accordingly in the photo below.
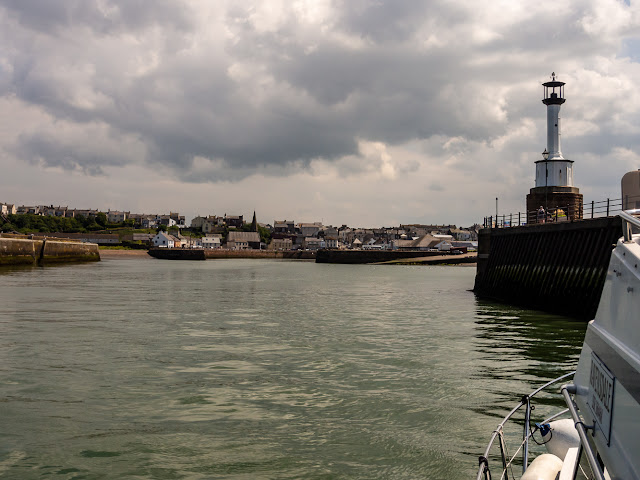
(30, 250)
(568, 199)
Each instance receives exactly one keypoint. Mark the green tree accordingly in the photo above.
(92, 227)
(265, 234)
(8, 227)
(101, 219)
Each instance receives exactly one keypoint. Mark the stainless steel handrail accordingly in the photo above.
(526, 434)
(628, 219)
(567, 390)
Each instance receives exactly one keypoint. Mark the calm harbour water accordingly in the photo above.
(256, 369)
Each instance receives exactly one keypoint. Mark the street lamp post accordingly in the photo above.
(545, 155)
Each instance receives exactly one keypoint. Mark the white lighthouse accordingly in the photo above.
(554, 170)
(554, 190)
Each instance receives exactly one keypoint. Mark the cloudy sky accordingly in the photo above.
(370, 113)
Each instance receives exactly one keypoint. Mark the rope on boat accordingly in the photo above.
(512, 457)
(504, 452)
(544, 429)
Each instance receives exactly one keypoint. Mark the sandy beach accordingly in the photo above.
(465, 260)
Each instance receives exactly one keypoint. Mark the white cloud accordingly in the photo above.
(368, 113)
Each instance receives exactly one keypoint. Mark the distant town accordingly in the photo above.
(139, 230)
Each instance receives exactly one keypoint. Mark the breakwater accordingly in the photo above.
(215, 253)
(370, 256)
(557, 267)
(37, 250)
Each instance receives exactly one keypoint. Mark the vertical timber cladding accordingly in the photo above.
(557, 267)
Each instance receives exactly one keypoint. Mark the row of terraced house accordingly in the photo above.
(289, 235)
(285, 234)
(141, 220)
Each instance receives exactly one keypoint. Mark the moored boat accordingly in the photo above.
(597, 435)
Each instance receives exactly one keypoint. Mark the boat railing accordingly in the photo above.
(596, 469)
(484, 472)
(628, 222)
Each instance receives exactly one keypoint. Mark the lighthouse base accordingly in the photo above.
(561, 203)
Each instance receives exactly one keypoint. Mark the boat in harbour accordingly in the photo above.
(597, 434)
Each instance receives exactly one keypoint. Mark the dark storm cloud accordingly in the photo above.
(228, 84)
(44, 150)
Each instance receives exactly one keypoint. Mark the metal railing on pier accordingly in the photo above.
(567, 213)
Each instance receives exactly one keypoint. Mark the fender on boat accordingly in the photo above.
(543, 467)
(561, 437)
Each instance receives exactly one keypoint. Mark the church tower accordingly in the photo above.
(554, 188)
(254, 223)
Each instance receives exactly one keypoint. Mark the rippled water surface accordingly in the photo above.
(251, 369)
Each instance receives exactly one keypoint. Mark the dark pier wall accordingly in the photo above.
(219, 253)
(369, 256)
(558, 267)
(177, 253)
(288, 255)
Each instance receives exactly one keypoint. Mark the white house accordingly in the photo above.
(114, 216)
(461, 234)
(313, 243)
(163, 239)
(7, 209)
(444, 242)
(331, 242)
(281, 244)
(211, 241)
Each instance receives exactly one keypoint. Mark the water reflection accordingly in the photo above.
(549, 342)
(519, 350)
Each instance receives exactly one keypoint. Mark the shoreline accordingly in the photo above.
(466, 260)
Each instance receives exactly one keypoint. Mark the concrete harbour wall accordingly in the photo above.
(35, 250)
